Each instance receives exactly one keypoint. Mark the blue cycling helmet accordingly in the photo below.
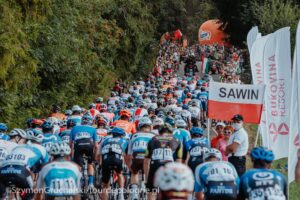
(170, 120)
(185, 107)
(262, 153)
(87, 120)
(196, 131)
(47, 125)
(3, 127)
(72, 122)
(116, 131)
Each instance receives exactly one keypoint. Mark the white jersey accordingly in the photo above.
(195, 112)
(5, 148)
(61, 178)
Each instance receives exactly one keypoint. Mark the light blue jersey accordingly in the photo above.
(65, 135)
(182, 135)
(28, 155)
(138, 144)
(217, 179)
(114, 145)
(264, 184)
(83, 132)
(3, 136)
(49, 140)
(60, 178)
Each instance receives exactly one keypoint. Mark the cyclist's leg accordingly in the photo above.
(136, 166)
(150, 181)
(106, 173)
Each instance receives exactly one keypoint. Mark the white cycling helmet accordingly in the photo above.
(144, 121)
(35, 135)
(174, 177)
(18, 131)
(76, 108)
(158, 121)
(212, 153)
(53, 120)
(180, 123)
(60, 148)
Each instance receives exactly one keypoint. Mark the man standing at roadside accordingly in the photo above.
(238, 145)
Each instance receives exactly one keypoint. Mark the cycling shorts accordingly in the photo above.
(204, 105)
(194, 162)
(137, 165)
(18, 177)
(111, 162)
(83, 147)
(153, 168)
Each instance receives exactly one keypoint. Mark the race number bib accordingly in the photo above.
(162, 154)
(115, 148)
(139, 145)
(63, 186)
(3, 153)
(198, 151)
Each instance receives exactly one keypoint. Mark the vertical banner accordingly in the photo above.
(257, 69)
(295, 109)
(251, 37)
(277, 78)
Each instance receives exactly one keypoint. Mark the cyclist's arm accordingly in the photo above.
(179, 153)
(297, 170)
(147, 161)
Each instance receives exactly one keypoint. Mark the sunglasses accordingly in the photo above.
(227, 132)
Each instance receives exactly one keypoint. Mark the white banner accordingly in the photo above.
(257, 69)
(251, 37)
(277, 77)
(295, 109)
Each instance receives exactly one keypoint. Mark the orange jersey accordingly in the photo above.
(128, 127)
(101, 133)
(59, 116)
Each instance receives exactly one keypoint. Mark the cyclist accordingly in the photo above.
(49, 137)
(76, 114)
(182, 135)
(195, 112)
(84, 142)
(186, 116)
(65, 135)
(216, 179)
(196, 148)
(161, 149)
(16, 137)
(124, 123)
(203, 97)
(98, 102)
(136, 150)
(3, 130)
(175, 181)
(157, 124)
(56, 113)
(112, 151)
(22, 162)
(262, 182)
(59, 178)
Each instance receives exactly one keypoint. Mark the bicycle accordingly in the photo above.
(86, 192)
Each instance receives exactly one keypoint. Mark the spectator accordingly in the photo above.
(222, 143)
(219, 134)
(238, 145)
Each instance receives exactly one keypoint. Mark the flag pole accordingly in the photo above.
(208, 129)
(257, 136)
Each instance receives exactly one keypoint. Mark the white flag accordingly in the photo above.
(295, 109)
(251, 37)
(277, 77)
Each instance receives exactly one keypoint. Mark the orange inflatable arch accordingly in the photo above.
(211, 33)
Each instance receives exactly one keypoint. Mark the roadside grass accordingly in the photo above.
(279, 165)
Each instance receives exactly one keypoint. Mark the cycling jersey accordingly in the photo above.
(112, 100)
(196, 148)
(139, 113)
(5, 148)
(110, 116)
(60, 178)
(186, 115)
(128, 127)
(138, 144)
(49, 139)
(3, 136)
(263, 184)
(59, 116)
(32, 156)
(83, 132)
(101, 133)
(182, 135)
(76, 118)
(217, 179)
(65, 135)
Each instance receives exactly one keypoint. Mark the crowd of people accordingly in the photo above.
(153, 127)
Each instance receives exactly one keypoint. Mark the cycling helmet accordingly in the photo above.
(262, 153)
(129, 105)
(99, 100)
(47, 125)
(196, 131)
(92, 105)
(212, 153)
(180, 123)
(68, 112)
(125, 113)
(18, 131)
(185, 107)
(166, 128)
(28, 122)
(117, 131)
(35, 135)
(87, 120)
(144, 121)
(102, 120)
(3, 127)
(170, 120)
(60, 149)
(76, 108)
(53, 120)
(103, 107)
(158, 121)
(175, 177)
(72, 122)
